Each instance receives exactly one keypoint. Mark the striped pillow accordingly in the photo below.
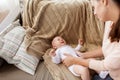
(12, 49)
(9, 45)
(12, 41)
(1, 59)
(28, 62)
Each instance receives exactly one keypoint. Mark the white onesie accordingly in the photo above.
(60, 55)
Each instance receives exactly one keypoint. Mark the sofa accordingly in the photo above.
(42, 20)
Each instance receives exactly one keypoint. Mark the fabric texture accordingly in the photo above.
(4, 45)
(1, 59)
(11, 39)
(28, 63)
(71, 19)
(10, 72)
(5, 31)
(13, 51)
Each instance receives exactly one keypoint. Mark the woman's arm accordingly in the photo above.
(83, 59)
(70, 60)
(111, 62)
(93, 54)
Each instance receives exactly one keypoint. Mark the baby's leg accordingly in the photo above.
(83, 71)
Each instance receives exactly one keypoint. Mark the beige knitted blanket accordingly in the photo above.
(71, 19)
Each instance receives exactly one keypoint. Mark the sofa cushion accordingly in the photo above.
(1, 59)
(11, 39)
(13, 50)
(10, 72)
(28, 63)
(2, 34)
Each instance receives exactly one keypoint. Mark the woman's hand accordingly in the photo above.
(69, 60)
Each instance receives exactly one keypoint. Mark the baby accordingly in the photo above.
(57, 53)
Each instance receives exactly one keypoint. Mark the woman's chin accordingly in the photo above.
(103, 20)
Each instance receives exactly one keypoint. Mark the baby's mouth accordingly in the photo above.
(62, 42)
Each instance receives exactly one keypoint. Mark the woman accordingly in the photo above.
(105, 10)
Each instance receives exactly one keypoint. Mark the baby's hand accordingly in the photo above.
(52, 52)
(80, 41)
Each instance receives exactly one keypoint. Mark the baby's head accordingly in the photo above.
(57, 42)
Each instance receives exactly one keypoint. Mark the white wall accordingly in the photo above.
(8, 4)
(13, 8)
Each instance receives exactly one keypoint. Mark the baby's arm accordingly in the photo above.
(55, 57)
(80, 43)
(78, 47)
(52, 52)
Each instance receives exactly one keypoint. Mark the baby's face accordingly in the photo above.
(58, 42)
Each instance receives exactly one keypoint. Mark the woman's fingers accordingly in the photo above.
(66, 63)
(68, 60)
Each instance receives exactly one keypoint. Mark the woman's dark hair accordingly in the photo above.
(115, 31)
(117, 2)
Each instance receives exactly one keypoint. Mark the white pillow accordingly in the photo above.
(28, 62)
(12, 41)
(12, 49)
(1, 43)
(8, 44)
(1, 59)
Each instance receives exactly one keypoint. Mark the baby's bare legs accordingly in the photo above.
(83, 71)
